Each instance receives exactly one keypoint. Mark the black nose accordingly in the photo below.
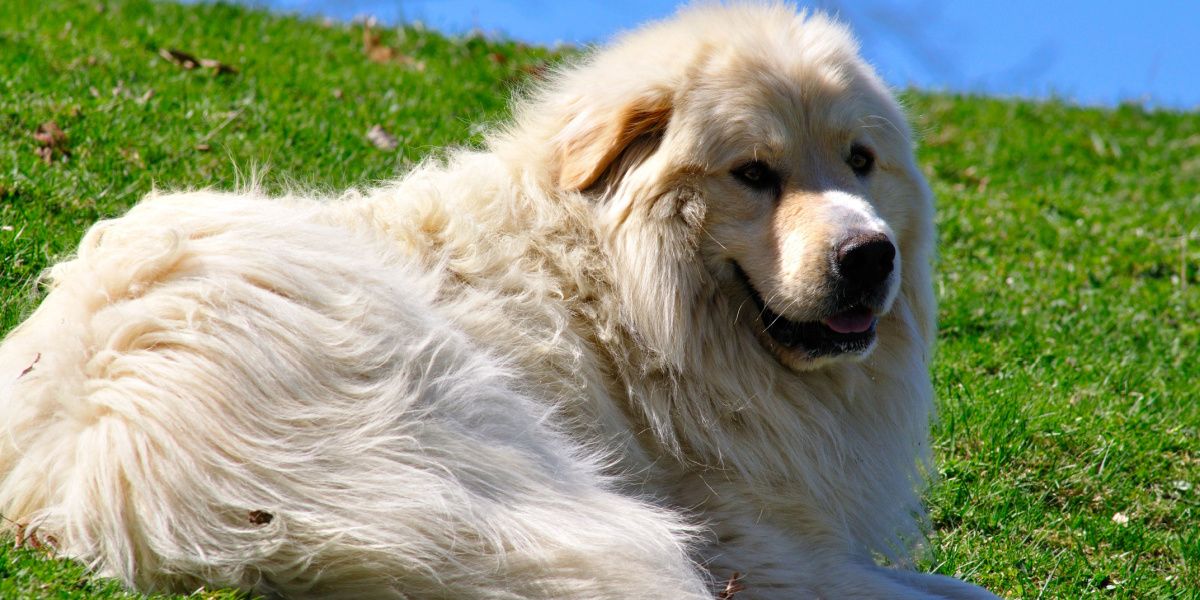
(864, 261)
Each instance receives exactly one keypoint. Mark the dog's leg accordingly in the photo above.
(770, 571)
(778, 564)
(946, 587)
(229, 392)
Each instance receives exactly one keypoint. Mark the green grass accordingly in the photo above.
(1069, 282)
(1069, 362)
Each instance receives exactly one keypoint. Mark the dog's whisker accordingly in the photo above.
(885, 122)
(737, 315)
(715, 240)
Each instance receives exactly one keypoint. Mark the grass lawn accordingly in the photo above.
(1068, 372)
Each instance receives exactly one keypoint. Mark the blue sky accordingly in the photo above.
(1092, 52)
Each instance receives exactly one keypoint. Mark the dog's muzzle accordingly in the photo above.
(862, 269)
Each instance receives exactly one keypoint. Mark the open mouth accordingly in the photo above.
(847, 331)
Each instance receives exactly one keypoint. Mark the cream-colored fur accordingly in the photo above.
(526, 372)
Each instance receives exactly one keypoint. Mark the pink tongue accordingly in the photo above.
(855, 320)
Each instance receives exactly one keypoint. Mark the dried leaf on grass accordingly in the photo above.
(218, 67)
(49, 134)
(379, 52)
(179, 57)
(381, 138)
(537, 71)
(133, 157)
(28, 537)
(375, 50)
(189, 62)
(51, 140)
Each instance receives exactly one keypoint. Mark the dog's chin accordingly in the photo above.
(845, 334)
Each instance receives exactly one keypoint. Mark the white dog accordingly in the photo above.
(672, 325)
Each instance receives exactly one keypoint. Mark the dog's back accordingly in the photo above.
(229, 390)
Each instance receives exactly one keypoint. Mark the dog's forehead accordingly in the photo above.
(777, 105)
(762, 80)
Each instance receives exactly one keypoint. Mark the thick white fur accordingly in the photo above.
(526, 372)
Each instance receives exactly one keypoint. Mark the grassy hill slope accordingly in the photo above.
(1069, 364)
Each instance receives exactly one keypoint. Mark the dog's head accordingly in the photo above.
(749, 167)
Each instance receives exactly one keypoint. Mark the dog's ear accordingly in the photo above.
(597, 134)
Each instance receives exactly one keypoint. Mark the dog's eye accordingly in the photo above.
(860, 160)
(757, 175)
